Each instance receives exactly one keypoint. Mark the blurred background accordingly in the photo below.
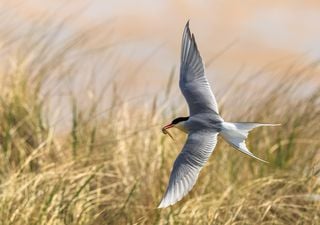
(85, 87)
(235, 37)
(237, 40)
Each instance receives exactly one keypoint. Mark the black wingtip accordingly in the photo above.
(188, 22)
(187, 28)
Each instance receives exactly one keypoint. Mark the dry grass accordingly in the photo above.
(112, 166)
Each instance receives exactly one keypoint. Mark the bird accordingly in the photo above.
(202, 126)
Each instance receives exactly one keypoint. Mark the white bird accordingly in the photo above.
(202, 126)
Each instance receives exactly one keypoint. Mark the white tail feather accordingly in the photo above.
(236, 133)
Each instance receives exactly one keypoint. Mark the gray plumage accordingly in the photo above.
(193, 82)
(187, 166)
(203, 125)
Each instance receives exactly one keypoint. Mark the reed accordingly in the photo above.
(111, 166)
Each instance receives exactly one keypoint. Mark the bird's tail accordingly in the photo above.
(236, 133)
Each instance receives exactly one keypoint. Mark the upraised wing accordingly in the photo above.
(193, 82)
(188, 164)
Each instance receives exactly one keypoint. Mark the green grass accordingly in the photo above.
(112, 166)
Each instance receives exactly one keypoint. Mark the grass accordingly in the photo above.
(112, 166)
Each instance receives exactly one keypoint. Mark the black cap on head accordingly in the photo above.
(179, 119)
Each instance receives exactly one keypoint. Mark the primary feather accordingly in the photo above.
(202, 126)
(188, 164)
(193, 82)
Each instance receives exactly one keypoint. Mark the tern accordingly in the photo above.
(202, 125)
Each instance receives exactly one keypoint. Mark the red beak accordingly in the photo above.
(164, 130)
(167, 126)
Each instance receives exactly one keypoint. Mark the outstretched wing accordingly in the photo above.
(188, 164)
(193, 82)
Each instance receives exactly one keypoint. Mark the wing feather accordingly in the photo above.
(188, 164)
(193, 82)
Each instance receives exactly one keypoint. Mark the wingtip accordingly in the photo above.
(162, 205)
(272, 124)
(264, 161)
(257, 158)
(188, 22)
(187, 28)
(187, 32)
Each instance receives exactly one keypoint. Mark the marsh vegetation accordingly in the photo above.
(108, 162)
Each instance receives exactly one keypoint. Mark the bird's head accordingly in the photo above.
(177, 123)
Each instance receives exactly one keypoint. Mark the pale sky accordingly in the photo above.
(265, 31)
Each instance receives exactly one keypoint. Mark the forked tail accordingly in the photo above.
(236, 133)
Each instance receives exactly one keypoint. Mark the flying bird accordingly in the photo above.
(203, 124)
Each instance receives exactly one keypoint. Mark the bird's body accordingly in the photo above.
(204, 121)
(202, 126)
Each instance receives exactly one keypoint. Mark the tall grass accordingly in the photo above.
(112, 166)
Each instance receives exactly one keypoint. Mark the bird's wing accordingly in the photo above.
(193, 82)
(188, 164)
